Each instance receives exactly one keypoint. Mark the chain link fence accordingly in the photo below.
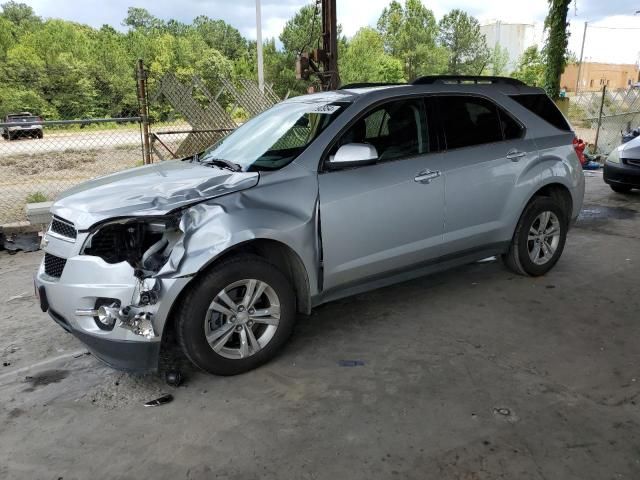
(599, 117)
(197, 117)
(40, 158)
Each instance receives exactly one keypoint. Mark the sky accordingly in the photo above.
(620, 44)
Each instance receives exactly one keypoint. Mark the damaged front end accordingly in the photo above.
(145, 244)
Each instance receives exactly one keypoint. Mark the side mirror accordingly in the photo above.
(354, 155)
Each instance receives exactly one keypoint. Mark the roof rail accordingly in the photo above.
(368, 84)
(477, 79)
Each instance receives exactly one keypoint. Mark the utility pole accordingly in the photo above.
(584, 36)
(323, 62)
(259, 46)
(330, 43)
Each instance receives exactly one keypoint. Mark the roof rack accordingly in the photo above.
(477, 79)
(368, 84)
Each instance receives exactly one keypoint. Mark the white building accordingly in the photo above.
(515, 37)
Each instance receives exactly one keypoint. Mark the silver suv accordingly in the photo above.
(320, 197)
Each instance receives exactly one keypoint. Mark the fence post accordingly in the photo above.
(141, 78)
(595, 146)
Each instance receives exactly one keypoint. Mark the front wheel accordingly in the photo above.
(237, 316)
(539, 238)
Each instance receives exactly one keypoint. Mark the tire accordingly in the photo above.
(9, 136)
(197, 318)
(519, 256)
(40, 135)
(621, 188)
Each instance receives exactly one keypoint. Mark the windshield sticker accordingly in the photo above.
(328, 109)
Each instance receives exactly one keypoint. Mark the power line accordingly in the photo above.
(614, 28)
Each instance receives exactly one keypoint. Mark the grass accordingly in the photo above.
(36, 197)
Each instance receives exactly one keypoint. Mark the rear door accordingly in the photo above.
(485, 153)
(386, 217)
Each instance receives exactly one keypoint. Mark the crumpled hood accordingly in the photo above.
(150, 190)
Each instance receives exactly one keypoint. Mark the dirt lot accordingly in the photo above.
(472, 374)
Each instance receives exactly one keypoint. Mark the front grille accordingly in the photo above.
(53, 266)
(64, 228)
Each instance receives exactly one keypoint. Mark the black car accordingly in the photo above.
(24, 124)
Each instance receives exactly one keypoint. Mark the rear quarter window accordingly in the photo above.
(541, 105)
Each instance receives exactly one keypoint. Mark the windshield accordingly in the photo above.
(275, 137)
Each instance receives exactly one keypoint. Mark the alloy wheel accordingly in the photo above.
(242, 319)
(543, 238)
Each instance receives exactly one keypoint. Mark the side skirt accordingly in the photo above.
(425, 268)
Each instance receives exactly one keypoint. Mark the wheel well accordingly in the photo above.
(560, 193)
(283, 257)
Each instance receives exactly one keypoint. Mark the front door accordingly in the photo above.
(386, 217)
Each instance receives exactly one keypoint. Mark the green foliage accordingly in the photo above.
(364, 60)
(555, 48)
(410, 34)
(302, 32)
(530, 67)
(65, 70)
(36, 197)
(466, 46)
(20, 14)
(498, 60)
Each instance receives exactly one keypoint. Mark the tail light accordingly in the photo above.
(579, 146)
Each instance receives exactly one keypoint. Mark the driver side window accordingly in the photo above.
(396, 129)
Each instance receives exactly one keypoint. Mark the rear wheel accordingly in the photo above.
(539, 238)
(40, 134)
(621, 188)
(9, 136)
(237, 316)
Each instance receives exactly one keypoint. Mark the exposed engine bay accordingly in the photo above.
(144, 243)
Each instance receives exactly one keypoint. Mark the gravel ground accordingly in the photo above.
(471, 374)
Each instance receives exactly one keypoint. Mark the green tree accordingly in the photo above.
(364, 60)
(499, 60)
(555, 48)
(140, 18)
(220, 35)
(303, 31)
(7, 39)
(409, 33)
(17, 99)
(530, 68)
(20, 14)
(466, 45)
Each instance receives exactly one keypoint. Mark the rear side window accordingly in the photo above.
(543, 106)
(469, 121)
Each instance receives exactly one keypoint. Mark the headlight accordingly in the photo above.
(614, 156)
(144, 242)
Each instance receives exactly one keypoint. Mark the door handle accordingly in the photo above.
(515, 155)
(426, 176)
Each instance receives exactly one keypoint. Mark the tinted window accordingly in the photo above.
(397, 129)
(511, 129)
(469, 121)
(543, 106)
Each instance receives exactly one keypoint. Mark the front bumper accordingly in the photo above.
(83, 281)
(621, 174)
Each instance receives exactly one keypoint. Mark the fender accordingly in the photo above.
(559, 165)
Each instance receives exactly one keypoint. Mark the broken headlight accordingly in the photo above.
(144, 243)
